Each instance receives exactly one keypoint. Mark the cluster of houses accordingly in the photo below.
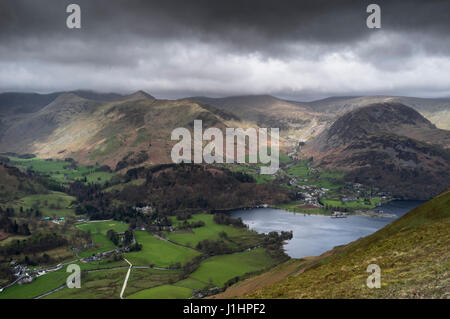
(197, 293)
(106, 254)
(310, 194)
(25, 275)
(55, 220)
(21, 273)
(158, 227)
(338, 215)
(353, 191)
(145, 209)
(359, 190)
(97, 257)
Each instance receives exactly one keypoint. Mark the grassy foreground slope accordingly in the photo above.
(412, 252)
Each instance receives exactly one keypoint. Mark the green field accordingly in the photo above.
(219, 269)
(159, 253)
(299, 169)
(98, 177)
(163, 292)
(323, 178)
(103, 226)
(141, 279)
(54, 204)
(211, 231)
(284, 159)
(191, 283)
(120, 187)
(36, 288)
(102, 264)
(98, 232)
(252, 170)
(360, 203)
(60, 171)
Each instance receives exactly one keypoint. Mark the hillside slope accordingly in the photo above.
(14, 184)
(387, 145)
(412, 253)
(131, 129)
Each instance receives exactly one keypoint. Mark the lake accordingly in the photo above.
(315, 234)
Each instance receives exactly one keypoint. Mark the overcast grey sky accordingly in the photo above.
(293, 49)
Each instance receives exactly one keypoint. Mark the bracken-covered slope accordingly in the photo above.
(412, 253)
(387, 145)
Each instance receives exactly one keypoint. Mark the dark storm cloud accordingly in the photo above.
(222, 47)
(245, 22)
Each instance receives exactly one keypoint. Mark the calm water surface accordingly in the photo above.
(313, 234)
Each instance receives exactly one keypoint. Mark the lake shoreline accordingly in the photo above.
(314, 234)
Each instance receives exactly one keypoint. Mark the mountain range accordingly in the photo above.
(398, 143)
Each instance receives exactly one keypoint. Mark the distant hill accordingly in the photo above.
(133, 129)
(16, 103)
(294, 119)
(388, 145)
(408, 251)
(435, 110)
